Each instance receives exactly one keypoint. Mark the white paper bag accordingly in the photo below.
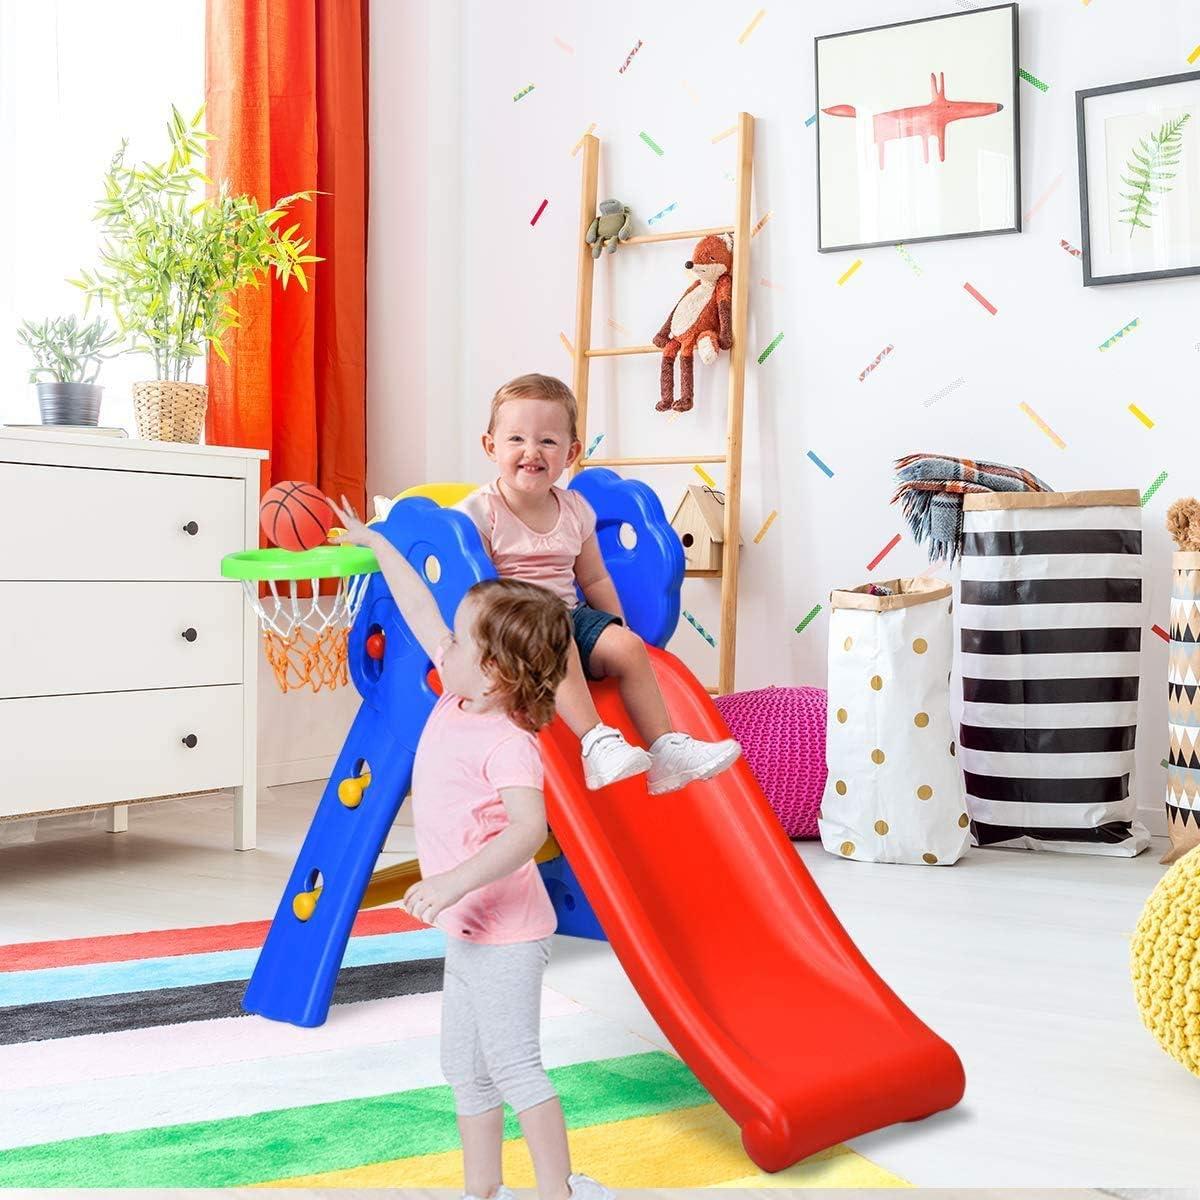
(894, 792)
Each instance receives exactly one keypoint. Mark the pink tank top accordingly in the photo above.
(518, 552)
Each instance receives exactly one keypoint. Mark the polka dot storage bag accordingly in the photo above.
(894, 792)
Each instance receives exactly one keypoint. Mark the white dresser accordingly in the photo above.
(128, 666)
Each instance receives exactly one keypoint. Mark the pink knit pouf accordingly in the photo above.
(782, 735)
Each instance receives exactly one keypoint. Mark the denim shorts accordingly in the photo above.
(589, 624)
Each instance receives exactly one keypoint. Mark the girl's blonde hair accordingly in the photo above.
(536, 387)
(524, 634)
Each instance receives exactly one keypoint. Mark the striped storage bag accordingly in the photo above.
(1050, 613)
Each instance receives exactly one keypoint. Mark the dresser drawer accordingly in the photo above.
(71, 751)
(82, 523)
(60, 638)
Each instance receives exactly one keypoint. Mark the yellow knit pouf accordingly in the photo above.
(1166, 962)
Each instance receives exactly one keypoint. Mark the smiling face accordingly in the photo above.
(531, 443)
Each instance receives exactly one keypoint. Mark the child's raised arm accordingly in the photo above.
(414, 600)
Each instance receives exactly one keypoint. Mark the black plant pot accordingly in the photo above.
(69, 403)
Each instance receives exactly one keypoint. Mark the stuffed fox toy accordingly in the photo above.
(700, 322)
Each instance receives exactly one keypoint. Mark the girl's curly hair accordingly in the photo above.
(524, 635)
(1183, 523)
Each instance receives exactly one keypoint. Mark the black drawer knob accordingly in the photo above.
(190, 741)
(189, 635)
(192, 528)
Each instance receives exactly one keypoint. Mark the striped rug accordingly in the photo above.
(126, 1062)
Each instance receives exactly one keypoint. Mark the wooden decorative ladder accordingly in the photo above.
(584, 353)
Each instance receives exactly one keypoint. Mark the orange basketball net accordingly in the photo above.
(305, 637)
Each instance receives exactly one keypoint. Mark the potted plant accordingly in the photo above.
(170, 265)
(67, 357)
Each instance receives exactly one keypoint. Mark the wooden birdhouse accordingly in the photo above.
(700, 522)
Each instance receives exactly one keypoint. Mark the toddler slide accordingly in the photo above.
(734, 950)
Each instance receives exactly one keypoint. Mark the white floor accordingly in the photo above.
(1020, 960)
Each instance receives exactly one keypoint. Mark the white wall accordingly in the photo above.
(516, 290)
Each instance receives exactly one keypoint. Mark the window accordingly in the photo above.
(75, 78)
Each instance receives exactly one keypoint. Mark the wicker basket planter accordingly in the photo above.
(166, 411)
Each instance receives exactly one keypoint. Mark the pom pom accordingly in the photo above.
(1183, 523)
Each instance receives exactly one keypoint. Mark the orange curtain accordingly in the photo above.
(286, 95)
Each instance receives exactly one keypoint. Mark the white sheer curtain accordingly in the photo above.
(76, 77)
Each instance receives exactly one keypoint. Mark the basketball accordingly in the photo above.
(295, 516)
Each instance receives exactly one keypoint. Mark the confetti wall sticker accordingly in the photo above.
(883, 553)
(1141, 416)
(564, 45)
(1033, 79)
(761, 222)
(708, 637)
(523, 92)
(629, 58)
(1044, 196)
(820, 464)
(774, 342)
(612, 324)
(662, 212)
(945, 391)
(1069, 248)
(541, 209)
(1153, 488)
(691, 91)
(1162, 633)
(810, 120)
(1195, 54)
(720, 137)
(595, 442)
(768, 284)
(575, 148)
(651, 143)
(809, 617)
(878, 359)
(758, 16)
(1116, 337)
(849, 271)
(712, 483)
(902, 250)
(982, 299)
(562, 337)
(758, 537)
(1042, 425)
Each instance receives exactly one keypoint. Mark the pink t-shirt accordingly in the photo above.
(518, 552)
(463, 760)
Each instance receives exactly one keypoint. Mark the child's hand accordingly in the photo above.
(427, 899)
(354, 531)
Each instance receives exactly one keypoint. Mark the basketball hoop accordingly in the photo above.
(304, 639)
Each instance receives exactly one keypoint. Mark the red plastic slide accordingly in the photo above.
(736, 953)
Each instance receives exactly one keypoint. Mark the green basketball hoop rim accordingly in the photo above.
(322, 562)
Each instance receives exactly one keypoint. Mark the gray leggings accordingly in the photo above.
(491, 1014)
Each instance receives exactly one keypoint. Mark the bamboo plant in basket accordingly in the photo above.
(170, 263)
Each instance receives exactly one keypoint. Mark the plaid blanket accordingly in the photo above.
(931, 488)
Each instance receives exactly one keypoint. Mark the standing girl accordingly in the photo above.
(479, 817)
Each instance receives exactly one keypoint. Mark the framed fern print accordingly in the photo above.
(1139, 179)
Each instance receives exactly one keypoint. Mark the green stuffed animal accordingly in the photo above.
(611, 225)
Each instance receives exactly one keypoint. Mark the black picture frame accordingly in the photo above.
(1015, 226)
(1089, 278)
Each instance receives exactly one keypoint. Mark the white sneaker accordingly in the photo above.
(677, 760)
(501, 1193)
(584, 1187)
(608, 757)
